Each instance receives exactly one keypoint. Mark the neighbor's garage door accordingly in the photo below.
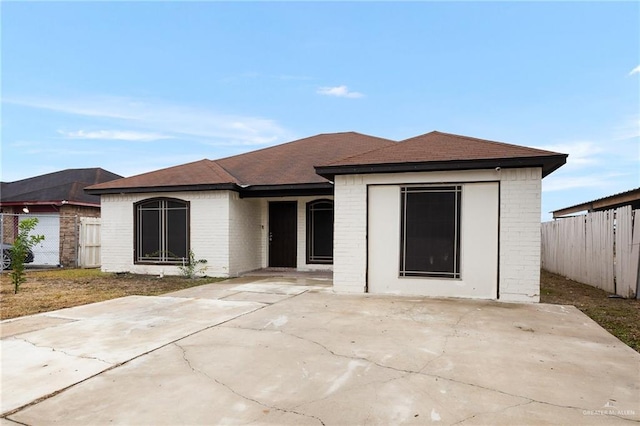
(46, 252)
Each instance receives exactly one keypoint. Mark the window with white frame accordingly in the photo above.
(430, 231)
(161, 231)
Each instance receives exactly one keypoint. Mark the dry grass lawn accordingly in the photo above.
(620, 317)
(63, 288)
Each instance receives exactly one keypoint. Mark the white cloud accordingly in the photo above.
(120, 135)
(105, 107)
(170, 120)
(636, 70)
(561, 182)
(581, 153)
(339, 91)
(628, 129)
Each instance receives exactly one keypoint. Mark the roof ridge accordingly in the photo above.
(480, 140)
(231, 175)
(268, 148)
(366, 152)
(57, 172)
(235, 178)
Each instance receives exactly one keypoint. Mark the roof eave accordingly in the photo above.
(287, 190)
(57, 203)
(165, 188)
(548, 164)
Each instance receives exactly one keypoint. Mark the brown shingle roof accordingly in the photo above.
(443, 151)
(292, 163)
(203, 172)
(438, 146)
(315, 159)
(289, 163)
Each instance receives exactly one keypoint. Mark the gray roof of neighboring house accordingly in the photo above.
(53, 188)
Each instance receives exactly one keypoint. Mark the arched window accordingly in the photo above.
(320, 231)
(161, 231)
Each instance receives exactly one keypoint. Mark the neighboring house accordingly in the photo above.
(438, 215)
(627, 198)
(57, 199)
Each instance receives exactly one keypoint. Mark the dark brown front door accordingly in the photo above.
(282, 234)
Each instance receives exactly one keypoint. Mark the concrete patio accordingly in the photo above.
(286, 350)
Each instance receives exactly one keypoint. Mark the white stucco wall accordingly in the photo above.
(478, 245)
(519, 222)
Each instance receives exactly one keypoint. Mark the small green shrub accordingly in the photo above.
(21, 246)
(193, 267)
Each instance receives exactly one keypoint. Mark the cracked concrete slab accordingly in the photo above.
(98, 336)
(17, 326)
(30, 372)
(319, 358)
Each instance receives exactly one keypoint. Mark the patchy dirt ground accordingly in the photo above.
(50, 290)
(620, 317)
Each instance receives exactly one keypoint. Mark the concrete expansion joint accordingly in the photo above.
(229, 388)
(15, 421)
(62, 352)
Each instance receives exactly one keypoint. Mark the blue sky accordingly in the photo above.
(133, 87)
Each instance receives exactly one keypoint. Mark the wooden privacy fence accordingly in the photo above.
(89, 243)
(601, 249)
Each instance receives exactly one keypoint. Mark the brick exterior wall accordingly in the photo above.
(9, 224)
(229, 232)
(245, 229)
(69, 231)
(350, 234)
(209, 220)
(520, 209)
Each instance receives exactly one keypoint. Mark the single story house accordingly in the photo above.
(57, 199)
(438, 214)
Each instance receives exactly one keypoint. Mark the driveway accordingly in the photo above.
(272, 350)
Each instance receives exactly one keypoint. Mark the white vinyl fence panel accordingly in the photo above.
(89, 243)
(600, 249)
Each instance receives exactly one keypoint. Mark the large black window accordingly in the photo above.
(320, 231)
(430, 231)
(162, 231)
